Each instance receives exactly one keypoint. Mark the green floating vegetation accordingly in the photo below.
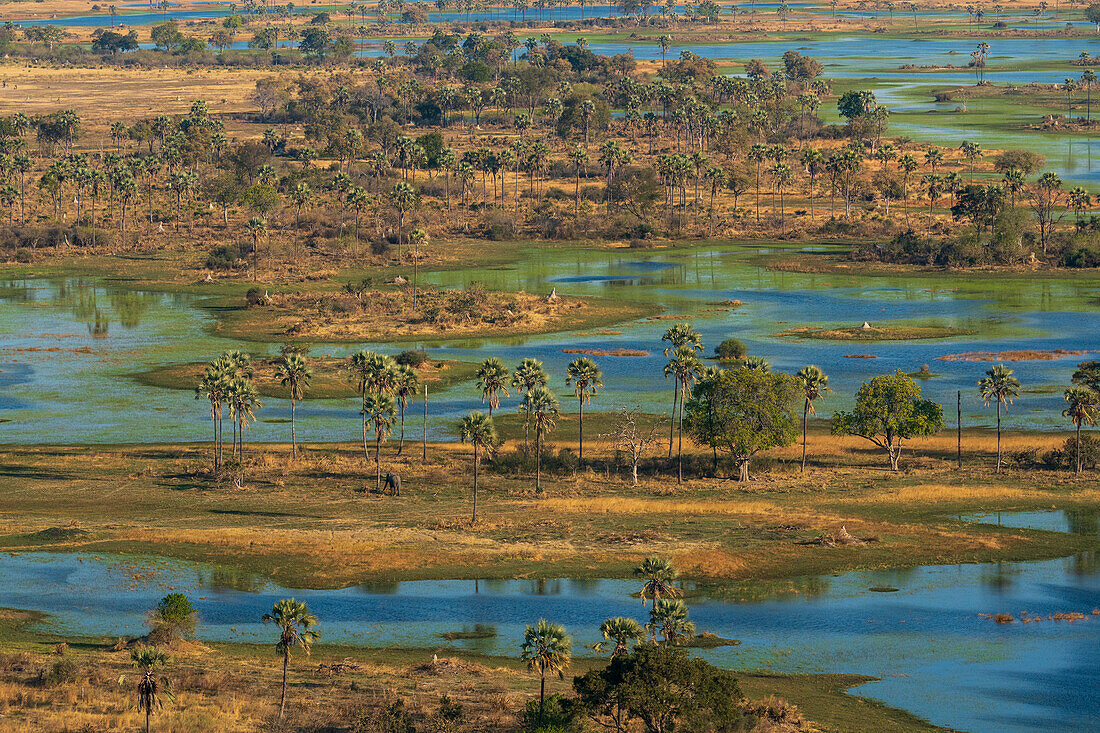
(869, 333)
(707, 640)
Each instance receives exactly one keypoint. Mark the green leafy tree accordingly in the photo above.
(1001, 386)
(477, 430)
(889, 409)
(546, 649)
(174, 618)
(659, 689)
(586, 377)
(744, 411)
(295, 624)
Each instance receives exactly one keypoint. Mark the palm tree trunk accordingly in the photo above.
(680, 445)
(293, 433)
(538, 460)
(805, 417)
(366, 455)
(1078, 471)
(542, 696)
(580, 428)
(401, 440)
(672, 422)
(282, 698)
(998, 436)
(378, 461)
(473, 520)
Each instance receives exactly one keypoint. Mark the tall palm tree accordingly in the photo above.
(477, 430)
(669, 616)
(243, 401)
(815, 384)
(1083, 405)
(295, 624)
(684, 367)
(406, 383)
(1001, 386)
(492, 380)
(379, 410)
(149, 686)
(682, 335)
(528, 375)
(658, 575)
(294, 373)
(256, 226)
(373, 374)
(541, 404)
(404, 197)
(585, 376)
(419, 238)
(623, 631)
(546, 649)
(212, 386)
(301, 196)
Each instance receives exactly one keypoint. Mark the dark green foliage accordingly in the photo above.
(558, 715)
(62, 671)
(174, 617)
(743, 412)
(663, 689)
(412, 357)
(223, 257)
(731, 349)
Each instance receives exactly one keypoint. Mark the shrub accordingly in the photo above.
(254, 296)
(1066, 456)
(731, 349)
(412, 357)
(60, 672)
(174, 617)
(556, 715)
(223, 257)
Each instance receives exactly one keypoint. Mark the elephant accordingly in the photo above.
(393, 484)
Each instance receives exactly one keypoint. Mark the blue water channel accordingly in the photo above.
(920, 631)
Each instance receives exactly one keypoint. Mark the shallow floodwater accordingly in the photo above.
(1084, 522)
(68, 347)
(926, 641)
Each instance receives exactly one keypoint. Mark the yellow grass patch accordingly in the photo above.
(618, 505)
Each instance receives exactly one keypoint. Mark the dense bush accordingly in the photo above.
(412, 357)
(731, 349)
(223, 257)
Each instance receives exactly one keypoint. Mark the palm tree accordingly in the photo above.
(213, 386)
(623, 631)
(300, 196)
(585, 376)
(682, 335)
(256, 226)
(658, 575)
(528, 375)
(419, 238)
(814, 383)
(373, 374)
(684, 367)
(669, 616)
(492, 380)
(295, 624)
(541, 404)
(404, 198)
(379, 410)
(150, 687)
(477, 430)
(406, 384)
(1083, 404)
(357, 198)
(578, 156)
(1000, 386)
(293, 373)
(546, 648)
